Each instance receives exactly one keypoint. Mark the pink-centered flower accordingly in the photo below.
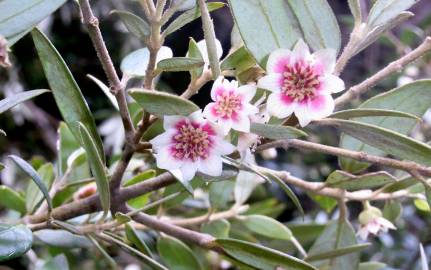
(190, 144)
(301, 83)
(373, 222)
(231, 108)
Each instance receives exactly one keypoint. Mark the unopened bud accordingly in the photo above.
(4, 56)
(85, 191)
(369, 214)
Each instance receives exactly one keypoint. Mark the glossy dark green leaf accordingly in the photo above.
(267, 226)
(136, 240)
(261, 257)
(67, 94)
(30, 171)
(335, 236)
(337, 252)
(265, 25)
(347, 181)
(384, 11)
(136, 25)
(17, 18)
(11, 199)
(240, 60)
(276, 132)
(10, 102)
(386, 140)
(98, 168)
(190, 16)
(355, 113)
(217, 228)
(179, 64)
(14, 241)
(160, 103)
(194, 52)
(176, 255)
(33, 195)
(318, 23)
(413, 98)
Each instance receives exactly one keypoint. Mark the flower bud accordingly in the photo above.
(4, 57)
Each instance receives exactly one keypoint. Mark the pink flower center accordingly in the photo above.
(228, 104)
(300, 81)
(192, 141)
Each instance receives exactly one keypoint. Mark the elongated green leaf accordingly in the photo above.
(177, 255)
(402, 184)
(137, 241)
(271, 21)
(386, 140)
(413, 98)
(239, 60)
(355, 113)
(160, 103)
(33, 195)
(261, 257)
(10, 102)
(14, 241)
(18, 17)
(217, 228)
(337, 252)
(61, 239)
(105, 90)
(371, 266)
(392, 210)
(67, 145)
(340, 179)
(98, 168)
(179, 64)
(318, 23)
(194, 52)
(30, 171)
(105, 254)
(11, 199)
(336, 236)
(66, 92)
(190, 16)
(385, 10)
(267, 226)
(276, 132)
(136, 25)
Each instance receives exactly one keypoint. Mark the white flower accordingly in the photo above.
(190, 144)
(373, 222)
(113, 133)
(301, 83)
(202, 46)
(135, 64)
(231, 107)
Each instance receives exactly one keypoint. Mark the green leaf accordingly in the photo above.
(318, 23)
(14, 241)
(371, 266)
(337, 252)
(400, 185)
(10, 102)
(267, 226)
(335, 236)
(221, 193)
(160, 103)
(326, 203)
(265, 25)
(30, 171)
(276, 132)
(413, 98)
(422, 205)
(217, 228)
(384, 11)
(240, 60)
(140, 201)
(19, 17)
(392, 210)
(11, 199)
(176, 254)
(33, 195)
(105, 90)
(134, 24)
(179, 64)
(350, 182)
(67, 145)
(66, 92)
(384, 139)
(61, 239)
(122, 218)
(1, 164)
(194, 52)
(136, 240)
(355, 8)
(59, 262)
(355, 113)
(261, 257)
(108, 258)
(196, 182)
(190, 16)
(98, 168)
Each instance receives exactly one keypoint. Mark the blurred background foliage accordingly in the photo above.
(31, 127)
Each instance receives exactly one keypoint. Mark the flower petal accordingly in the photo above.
(271, 82)
(223, 147)
(202, 46)
(320, 107)
(197, 116)
(163, 139)
(217, 86)
(212, 166)
(301, 51)
(169, 121)
(242, 123)
(325, 59)
(278, 107)
(332, 84)
(165, 160)
(248, 91)
(188, 170)
(278, 60)
(303, 114)
(386, 223)
(363, 233)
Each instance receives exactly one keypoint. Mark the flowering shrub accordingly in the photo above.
(180, 187)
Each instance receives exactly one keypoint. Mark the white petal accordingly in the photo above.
(212, 166)
(277, 60)
(386, 223)
(245, 140)
(326, 59)
(271, 82)
(320, 107)
(188, 171)
(250, 110)
(202, 46)
(242, 123)
(163, 139)
(332, 83)
(197, 116)
(208, 113)
(303, 114)
(225, 124)
(373, 227)
(301, 51)
(363, 233)
(276, 107)
(169, 121)
(223, 147)
(248, 91)
(216, 85)
(164, 53)
(165, 160)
